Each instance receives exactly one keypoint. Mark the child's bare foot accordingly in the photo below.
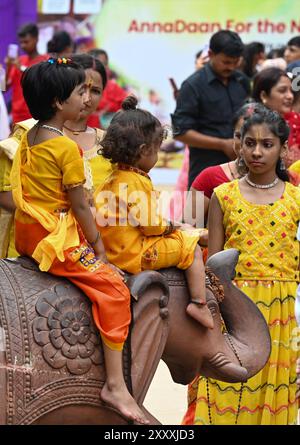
(200, 313)
(119, 398)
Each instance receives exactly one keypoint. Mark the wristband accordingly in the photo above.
(96, 239)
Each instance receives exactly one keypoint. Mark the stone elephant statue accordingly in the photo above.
(51, 360)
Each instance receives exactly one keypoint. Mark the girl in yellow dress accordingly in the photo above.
(139, 238)
(258, 215)
(96, 167)
(53, 221)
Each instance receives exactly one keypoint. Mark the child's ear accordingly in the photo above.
(57, 104)
(144, 149)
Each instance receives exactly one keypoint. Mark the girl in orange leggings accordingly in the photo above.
(54, 224)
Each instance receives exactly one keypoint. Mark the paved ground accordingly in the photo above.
(166, 400)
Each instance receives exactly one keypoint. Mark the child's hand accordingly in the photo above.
(203, 240)
(116, 269)
(100, 252)
(9, 62)
(102, 257)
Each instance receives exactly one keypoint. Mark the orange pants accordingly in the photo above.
(109, 295)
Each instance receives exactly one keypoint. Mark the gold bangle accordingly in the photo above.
(96, 239)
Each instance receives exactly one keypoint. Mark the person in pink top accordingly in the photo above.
(215, 175)
(28, 38)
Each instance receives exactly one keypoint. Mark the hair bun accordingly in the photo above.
(129, 103)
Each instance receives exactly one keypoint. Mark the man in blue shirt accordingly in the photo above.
(207, 101)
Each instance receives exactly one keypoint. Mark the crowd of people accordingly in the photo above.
(77, 137)
(232, 113)
(60, 45)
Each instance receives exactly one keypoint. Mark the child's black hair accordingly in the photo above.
(129, 129)
(277, 126)
(46, 82)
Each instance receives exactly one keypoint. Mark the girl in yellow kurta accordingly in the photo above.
(259, 216)
(54, 223)
(136, 237)
(96, 167)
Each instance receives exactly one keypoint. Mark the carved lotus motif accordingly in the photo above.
(66, 331)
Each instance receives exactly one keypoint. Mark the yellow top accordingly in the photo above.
(295, 167)
(5, 168)
(265, 234)
(125, 200)
(96, 168)
(10, 145)
(294, 173)
(8, 149)
(40, 174)
(6, 217)
(7, 247)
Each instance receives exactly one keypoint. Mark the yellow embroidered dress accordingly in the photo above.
(267, 272)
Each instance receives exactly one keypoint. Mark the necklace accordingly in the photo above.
(231, 172)
(76, 132)
(262, 186)
(48, 127)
